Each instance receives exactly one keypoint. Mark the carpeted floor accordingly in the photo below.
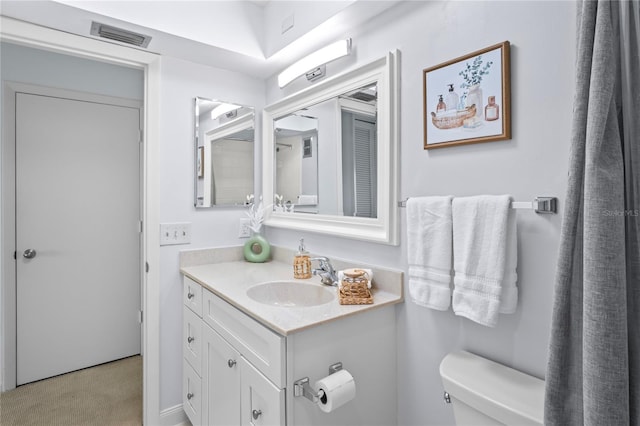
(107, 395)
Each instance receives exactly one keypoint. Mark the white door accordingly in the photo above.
(78, 210)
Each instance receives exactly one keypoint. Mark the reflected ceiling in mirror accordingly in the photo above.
(224, 147)
(350, 131)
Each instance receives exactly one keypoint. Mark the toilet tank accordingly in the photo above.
(483, 392)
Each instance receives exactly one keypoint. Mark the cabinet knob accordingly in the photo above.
(189, 396)
(256, 414)
(231, 363)
(190, 295)
(190, 339)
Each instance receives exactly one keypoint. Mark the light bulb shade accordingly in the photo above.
(320, 57)
(223, 109)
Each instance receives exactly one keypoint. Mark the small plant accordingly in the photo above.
(256, 215)
(473, 73)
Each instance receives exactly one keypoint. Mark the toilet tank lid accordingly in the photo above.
(503, 393)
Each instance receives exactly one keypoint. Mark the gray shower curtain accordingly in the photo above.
(593, 372)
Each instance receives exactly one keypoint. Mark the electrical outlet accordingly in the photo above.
(245, 230)
(175, 233)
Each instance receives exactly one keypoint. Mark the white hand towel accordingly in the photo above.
(483, 235)
(429, 245)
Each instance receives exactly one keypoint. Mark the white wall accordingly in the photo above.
(533, 162)
(34, 66)
(329, 127)
(181, 81)
(305, 17)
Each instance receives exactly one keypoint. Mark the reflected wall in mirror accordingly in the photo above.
(348, 126)
(224, 147)
(296, 156)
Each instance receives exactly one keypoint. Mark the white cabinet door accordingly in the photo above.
(262, 402)
(220, 380)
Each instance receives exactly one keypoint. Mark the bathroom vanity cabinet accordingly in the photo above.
(230, 361)
(241, 359)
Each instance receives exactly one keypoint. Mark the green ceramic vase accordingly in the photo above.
(257, 249)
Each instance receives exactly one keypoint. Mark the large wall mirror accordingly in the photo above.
(224, 148)
(330, 155)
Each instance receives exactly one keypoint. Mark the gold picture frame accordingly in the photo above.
(482, 110)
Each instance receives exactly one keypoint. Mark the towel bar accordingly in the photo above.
(542, 205)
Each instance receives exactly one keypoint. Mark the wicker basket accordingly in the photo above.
(453, 121)
(354, 288)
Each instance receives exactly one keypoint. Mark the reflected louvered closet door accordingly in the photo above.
(365, 168)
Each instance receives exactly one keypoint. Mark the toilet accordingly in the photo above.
(483, 392)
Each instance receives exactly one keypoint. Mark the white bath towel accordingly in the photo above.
(509, 293)
(429, 245)
(484, 253)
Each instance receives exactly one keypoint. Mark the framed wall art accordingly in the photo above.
(468, 99)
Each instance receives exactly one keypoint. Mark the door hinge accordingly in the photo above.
(140, 228)
(140, 135)
(15, 255)
(146, 267)
(140, 317)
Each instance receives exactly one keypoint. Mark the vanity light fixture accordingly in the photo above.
(223, 109)
(315, 60)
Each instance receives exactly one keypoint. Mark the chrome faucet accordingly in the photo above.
(327, 274)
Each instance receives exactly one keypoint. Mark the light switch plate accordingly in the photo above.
(175, 233)
(245, 230)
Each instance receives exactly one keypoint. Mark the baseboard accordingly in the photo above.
(174, 416)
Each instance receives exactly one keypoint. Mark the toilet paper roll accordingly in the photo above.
(335, 390)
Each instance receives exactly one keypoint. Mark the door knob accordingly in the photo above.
(256, 413)
(29, 254)
(231, 363)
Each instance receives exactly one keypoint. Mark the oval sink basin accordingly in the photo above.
(290, 294)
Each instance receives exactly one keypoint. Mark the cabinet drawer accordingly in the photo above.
(191, 397)
(192, 295)
(259, 345)
(192, 339)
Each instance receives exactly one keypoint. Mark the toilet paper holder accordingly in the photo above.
(302, 387)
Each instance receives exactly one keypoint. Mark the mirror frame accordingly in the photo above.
(384, 228)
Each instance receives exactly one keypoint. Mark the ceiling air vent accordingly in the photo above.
(118, 34)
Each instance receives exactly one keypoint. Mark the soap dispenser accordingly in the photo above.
(302, 263)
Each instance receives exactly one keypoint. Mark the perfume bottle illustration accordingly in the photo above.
(492, 110)
(441, 107)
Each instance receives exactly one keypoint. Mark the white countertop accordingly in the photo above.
(230, 281)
